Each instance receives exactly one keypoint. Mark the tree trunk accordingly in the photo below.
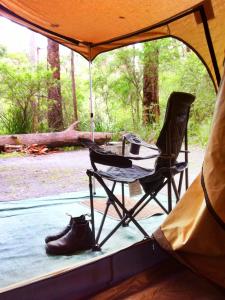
(35, 115)
(55, 115)
(151, 110)
(136, 83)
(33, 60)
(73, 87)
(68, 137)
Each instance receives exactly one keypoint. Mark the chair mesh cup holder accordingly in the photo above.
(122, 170)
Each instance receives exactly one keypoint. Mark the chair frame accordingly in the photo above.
(128, 215)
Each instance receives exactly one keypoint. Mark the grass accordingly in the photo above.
(12, 154)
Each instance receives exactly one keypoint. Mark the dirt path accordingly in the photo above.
(56, 173)
(37, 176)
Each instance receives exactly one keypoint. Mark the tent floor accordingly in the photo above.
(26, 223)
(28, 273)
(167, 280)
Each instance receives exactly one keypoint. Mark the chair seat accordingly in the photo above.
(125, 175)
(129, 175)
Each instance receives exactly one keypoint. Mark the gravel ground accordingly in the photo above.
(56, 173)
(37, 176)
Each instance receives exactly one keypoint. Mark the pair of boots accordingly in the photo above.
(77, 236)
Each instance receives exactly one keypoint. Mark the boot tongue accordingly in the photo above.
(71, 221)
(79, 220)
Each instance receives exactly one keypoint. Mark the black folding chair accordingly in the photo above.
(121, 170)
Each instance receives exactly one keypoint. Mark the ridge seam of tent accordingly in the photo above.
(164, 37)
(92, 45)
(198, 8)
(6, 10)
(210, 44)
(149, 28)
(209, 204)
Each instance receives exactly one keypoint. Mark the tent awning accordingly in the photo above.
(93, 27)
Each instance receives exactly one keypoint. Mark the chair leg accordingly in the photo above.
(169, 190)
(123, 202)
(186, 178)
(109, 202)
(103, 221)
(180, 182)
(128, 213)
(112, 232)
(95, 246)
(151, 196)
(113, 203)
(175, 189)
(136, 211)
(158, 202)
(123, 198)
(140, 209)
(120, 224)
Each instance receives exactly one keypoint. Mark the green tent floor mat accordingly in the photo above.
(26, 223)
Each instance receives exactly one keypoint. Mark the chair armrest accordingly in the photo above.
(141, 158)
(89, 144)
(184, 151)
(109, 159)
(100, 156)
(133, 139)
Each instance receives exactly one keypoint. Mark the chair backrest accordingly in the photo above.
(173, 131)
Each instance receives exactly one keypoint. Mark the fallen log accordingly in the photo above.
(68, 137)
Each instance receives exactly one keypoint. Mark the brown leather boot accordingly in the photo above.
(57, 236)
(79, 238)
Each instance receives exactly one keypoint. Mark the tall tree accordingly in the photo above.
(73, 87)
(127, 64)
(33, 60)
(151, 109)
(55, 114)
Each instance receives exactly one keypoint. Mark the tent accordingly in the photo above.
(93, 27)
(194, 232)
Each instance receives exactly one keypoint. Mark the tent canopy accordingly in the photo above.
(93, 27)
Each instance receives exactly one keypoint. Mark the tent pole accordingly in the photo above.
(210, 43)
(92, 125)
(91, 103)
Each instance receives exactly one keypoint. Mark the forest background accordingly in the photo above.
(131, 87)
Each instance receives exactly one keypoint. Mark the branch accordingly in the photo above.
(73, 126)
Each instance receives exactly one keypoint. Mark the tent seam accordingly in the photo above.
(209, 204)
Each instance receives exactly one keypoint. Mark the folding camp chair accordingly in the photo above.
(121, 170)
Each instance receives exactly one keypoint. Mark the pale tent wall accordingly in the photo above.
(195, 230)
(93, 27)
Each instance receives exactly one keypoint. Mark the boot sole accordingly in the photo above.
(53, 252)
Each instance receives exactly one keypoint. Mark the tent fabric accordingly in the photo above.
(93, 27)
(167, 280)
(194, 231)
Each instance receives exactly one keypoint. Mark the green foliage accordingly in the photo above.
(82, 94)
(118, 84)
(22, 95)
(187, 73)
(12, 154)
(117, 90)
